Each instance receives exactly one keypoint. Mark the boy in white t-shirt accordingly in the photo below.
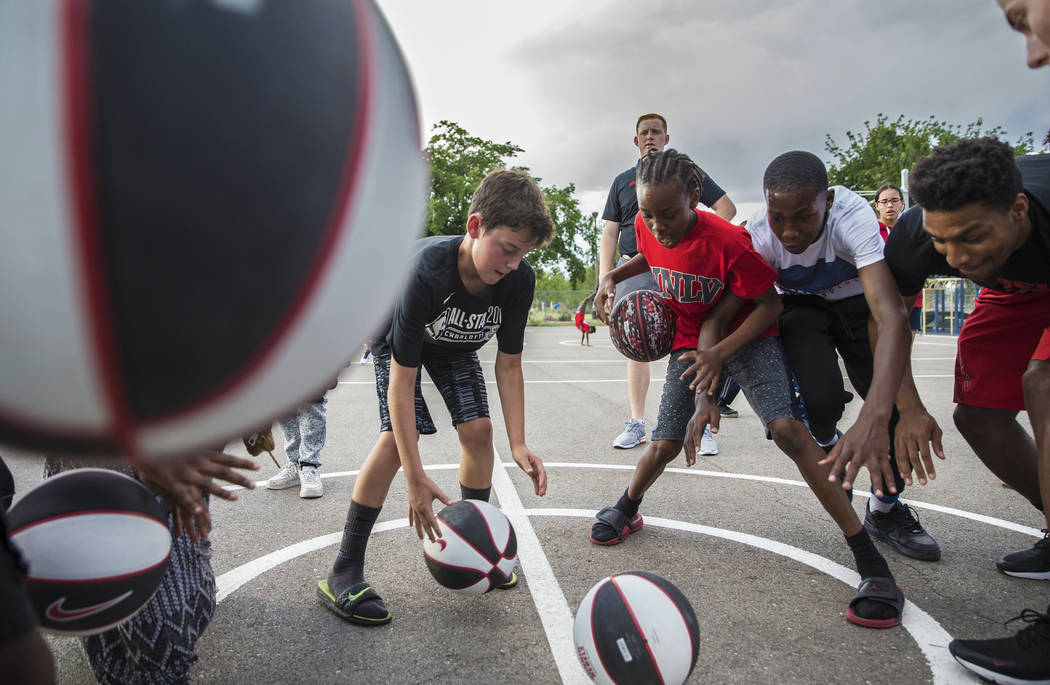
(825, 245)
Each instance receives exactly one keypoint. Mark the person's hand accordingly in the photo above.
(707, 366)
(605, 298)
(706, 414)
(181, 481)
(533, 467)
(421, 496)
(917, 439)
(866, 444)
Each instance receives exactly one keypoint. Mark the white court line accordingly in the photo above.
(961, 513)
(551, 605)
(931, 638)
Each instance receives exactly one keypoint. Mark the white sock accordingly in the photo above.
(880, 506)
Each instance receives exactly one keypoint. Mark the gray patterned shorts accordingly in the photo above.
(761, 370)
(459, 380)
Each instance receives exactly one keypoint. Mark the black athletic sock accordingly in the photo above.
(349, 566)
(628, 506)
(475, 493)
(870, 564)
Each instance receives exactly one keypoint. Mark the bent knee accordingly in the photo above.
(1036, 380)
(666, 451)
(475, 433)
(791, 436)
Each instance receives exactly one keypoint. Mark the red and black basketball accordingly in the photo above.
(213, 204)
(96, 543)
(477, 549)
(642, 326)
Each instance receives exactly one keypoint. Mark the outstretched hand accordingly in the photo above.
(533, 467)
(707, 366)
(604, 299)
(182, 482)
(866, 444)
(917, 439)
(706, 414)
(421, 496)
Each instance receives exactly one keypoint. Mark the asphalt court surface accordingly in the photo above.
(767, 572)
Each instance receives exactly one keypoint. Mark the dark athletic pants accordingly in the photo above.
(815, 332)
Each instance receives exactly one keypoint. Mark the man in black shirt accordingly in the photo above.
(986, 217)
(620, 209)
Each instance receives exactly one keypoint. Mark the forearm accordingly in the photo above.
(607, 249)
(637, 265)
(767, 309)
(401, 402)
(724, 208)
(510, 383)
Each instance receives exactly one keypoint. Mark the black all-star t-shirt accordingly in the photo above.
(436, 316)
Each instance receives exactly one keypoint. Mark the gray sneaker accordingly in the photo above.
(708, 446)
(288, 477)
(311, 482)
(632, 436)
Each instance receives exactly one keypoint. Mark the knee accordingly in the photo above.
(663, 452)
(475, 435)
(790, 436)
(968, 418)
(1036, 382)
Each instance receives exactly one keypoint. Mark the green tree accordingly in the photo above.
(877, 154)
(458, 163)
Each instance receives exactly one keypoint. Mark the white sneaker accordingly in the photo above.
(311, 482)
(633, 434)
(708, 446)
(288, 477)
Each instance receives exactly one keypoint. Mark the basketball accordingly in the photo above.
(477, 549)
(635, 627)
(215, 204)
(96, 543)
(642, 326)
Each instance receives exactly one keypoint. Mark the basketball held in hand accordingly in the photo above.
(642, 326)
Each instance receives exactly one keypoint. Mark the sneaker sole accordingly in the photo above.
(994, 677)
(1030, 575)
(707, 453)
(627, 447)
(874, 532)
(311, 494)
(281, 487)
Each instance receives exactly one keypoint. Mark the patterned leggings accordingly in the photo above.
(156, 644)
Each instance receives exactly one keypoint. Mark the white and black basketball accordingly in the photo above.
(477, 549)
(96, 543)
(636, 628)
(642, 326)
(211, 205)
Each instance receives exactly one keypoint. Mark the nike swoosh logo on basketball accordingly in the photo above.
(56, 612)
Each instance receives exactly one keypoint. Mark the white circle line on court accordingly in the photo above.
(931, 638)
(951, 511)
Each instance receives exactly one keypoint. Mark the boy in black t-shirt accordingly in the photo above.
(461, 292)
(984, 216)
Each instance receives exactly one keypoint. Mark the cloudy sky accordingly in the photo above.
(739, 81)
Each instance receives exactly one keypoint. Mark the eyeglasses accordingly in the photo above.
(890, 201)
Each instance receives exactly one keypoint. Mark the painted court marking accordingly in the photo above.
(555, 615)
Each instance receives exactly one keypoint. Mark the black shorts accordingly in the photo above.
(458, 379)
(17, 617)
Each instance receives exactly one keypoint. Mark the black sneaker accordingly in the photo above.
(901, 528)
(1023, 658)
(728, 412)
(1031, 563)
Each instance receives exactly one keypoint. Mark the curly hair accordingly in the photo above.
(512, 199)
(793, 171)
(969, 171)
(657, 168)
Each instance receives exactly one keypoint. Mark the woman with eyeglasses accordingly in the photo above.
(889, 203)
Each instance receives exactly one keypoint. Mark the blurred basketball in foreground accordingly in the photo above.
(210, 206)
